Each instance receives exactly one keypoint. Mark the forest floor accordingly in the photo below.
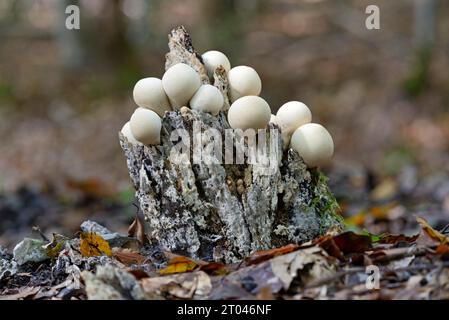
(395, 246)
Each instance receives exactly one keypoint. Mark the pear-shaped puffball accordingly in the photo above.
(146, 126)
(243, 81)
(207, 99)
(180, 83)
(126, 131)
(249, 112)
(149, 93)
(313, 143)
(291, 116)
(273, 119)
(213, 59)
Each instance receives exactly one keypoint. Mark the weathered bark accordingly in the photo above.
(223, 212)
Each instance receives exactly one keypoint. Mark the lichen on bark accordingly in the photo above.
(223, 212)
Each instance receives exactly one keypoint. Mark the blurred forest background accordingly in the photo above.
(64, 95)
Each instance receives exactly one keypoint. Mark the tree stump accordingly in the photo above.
(223, 212)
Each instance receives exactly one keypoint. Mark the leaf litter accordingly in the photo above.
(100, 264)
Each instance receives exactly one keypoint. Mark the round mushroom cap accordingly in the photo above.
(313, 143)
(149, 93)
(207, 99)
(273, 119)
(180, 83)
(249, 112)
(213, 59)
(290, 116)
(146, 126)
(126, 131)
(243, 81)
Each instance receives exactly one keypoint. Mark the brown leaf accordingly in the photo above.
(309, 264)
(92, 244)
(137, 230)
(213, 268)
(138, 273)
(431, 232)
(350, 242)
(128, 257)
(345, 243)
(263, 255)
(443, 250)
(329, 245)
(396, 238)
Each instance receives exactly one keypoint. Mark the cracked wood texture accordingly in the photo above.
(223, 212)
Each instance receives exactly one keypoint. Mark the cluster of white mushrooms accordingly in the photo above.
(181, 86)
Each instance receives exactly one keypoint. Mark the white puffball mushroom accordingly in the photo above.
(243, 81)
(126, 131)
(149, 93)
(273, 119)
(249, 112)
(313, 143)
(146, 126)
(213, 59)
(180, 83)
(290, 116)
(207, 99)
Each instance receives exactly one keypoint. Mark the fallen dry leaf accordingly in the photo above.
(443, 250)
(137, 230)
(55, 246)
(350, 242)
(92, 244)
(128, 256)
(179, 264)
(396, 238)
(431, 232)
(263, 255)
(138, 273)
(345, 243)
(313, 261)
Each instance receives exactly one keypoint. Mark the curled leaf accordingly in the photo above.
(431, 232)
(55, 246)
(137, 230)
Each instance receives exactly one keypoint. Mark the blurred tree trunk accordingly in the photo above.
(116, 42)
(424, 23)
